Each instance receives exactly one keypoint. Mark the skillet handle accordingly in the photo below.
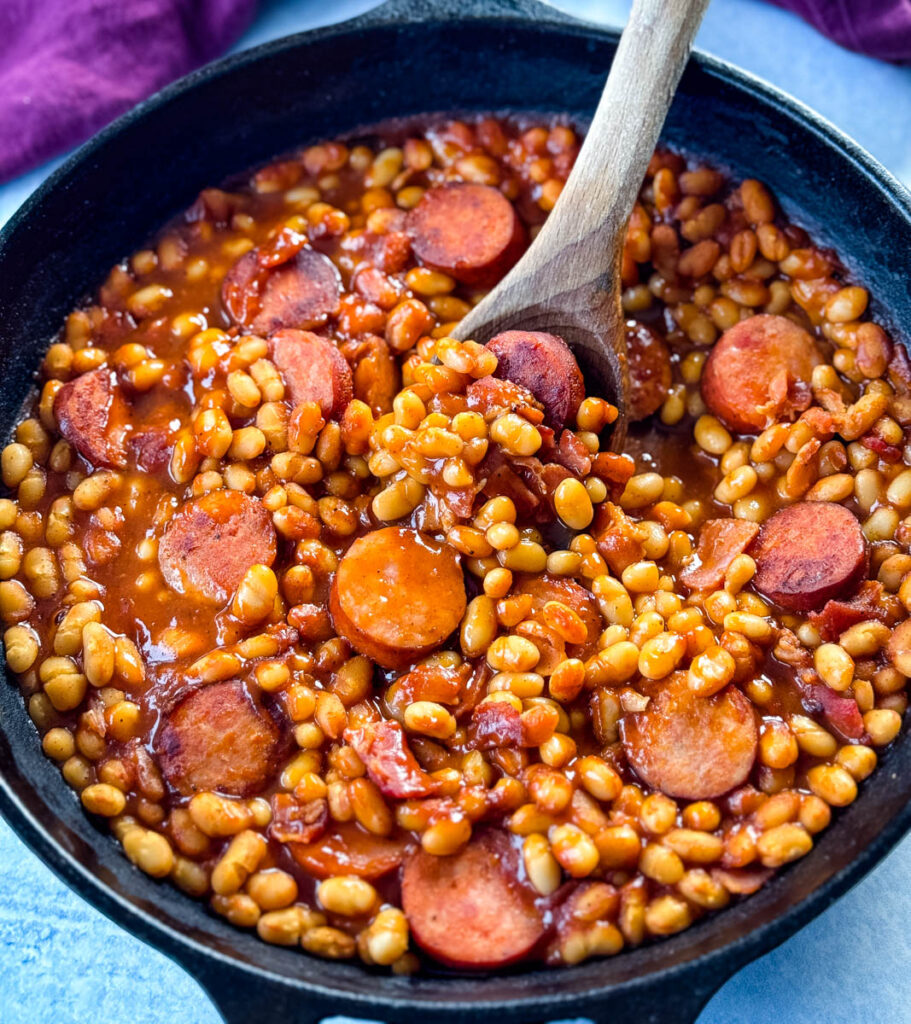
(403, 11)
(244, 997)
(679, 999)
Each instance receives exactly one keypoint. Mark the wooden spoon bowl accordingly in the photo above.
(568, 282)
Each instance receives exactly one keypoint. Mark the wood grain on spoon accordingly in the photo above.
(568, 281)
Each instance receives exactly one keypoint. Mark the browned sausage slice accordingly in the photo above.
(720, 542)
(212, 541)
(348, 850)
(809, 553)
(544, 365)
(397, 595)
(313, 370)
(92, 415)
(470, 910)
(302, 292)
(467, 230)
(649, 370)
(219, 738)
(692, 747)
(759, 372)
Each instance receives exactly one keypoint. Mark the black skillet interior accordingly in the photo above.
(413, 57)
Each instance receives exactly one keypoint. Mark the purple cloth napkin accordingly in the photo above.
(68, 67)
(878, 28)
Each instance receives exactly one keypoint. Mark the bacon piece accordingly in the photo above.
(837, 616)
(383, 748)
(720, 542)
(296, 822)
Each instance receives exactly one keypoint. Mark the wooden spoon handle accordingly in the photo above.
(577, 251)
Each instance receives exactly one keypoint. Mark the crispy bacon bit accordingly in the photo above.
(618, 539)
(383, 748)
(490, 394)
(822, 423)
(720, 542)
(837, 616)
(501, 480)
(432, 682)
(842, 713)
(296, 822)
(496, 724)
(884, 449)
(615, 470)
(573, 454)
(499, 724)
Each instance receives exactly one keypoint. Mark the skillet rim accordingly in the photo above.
(202, 959)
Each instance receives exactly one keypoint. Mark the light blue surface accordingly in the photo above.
(63, 963)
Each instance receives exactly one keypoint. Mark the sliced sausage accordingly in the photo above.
(383, 748)
(692, 747)
(219, 738)
(470, 909)
(467, 230)
(92, 415)
(544, 365)
(210, 543)
(349, 850)
(313, 370)
(759, 372)
(152, 450)
(649, 370)
(809, 553)
(545, 588)
(397, 595)
(720, 542)
(302, 292)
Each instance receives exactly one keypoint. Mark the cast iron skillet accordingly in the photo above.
(409, 57)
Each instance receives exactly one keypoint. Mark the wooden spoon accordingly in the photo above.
(568, 281)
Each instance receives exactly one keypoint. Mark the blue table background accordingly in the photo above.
(61, 962)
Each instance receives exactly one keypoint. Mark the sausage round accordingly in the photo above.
(469, 909)
(759, 372)
(809, 553)
(303, 292)
(313, 370)
(397, 595)
(649, 370)
(210, 543)
(692, 747)
(92, 415)
(467, 230)
(544, 365)
(349, 850)
(219, 738)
